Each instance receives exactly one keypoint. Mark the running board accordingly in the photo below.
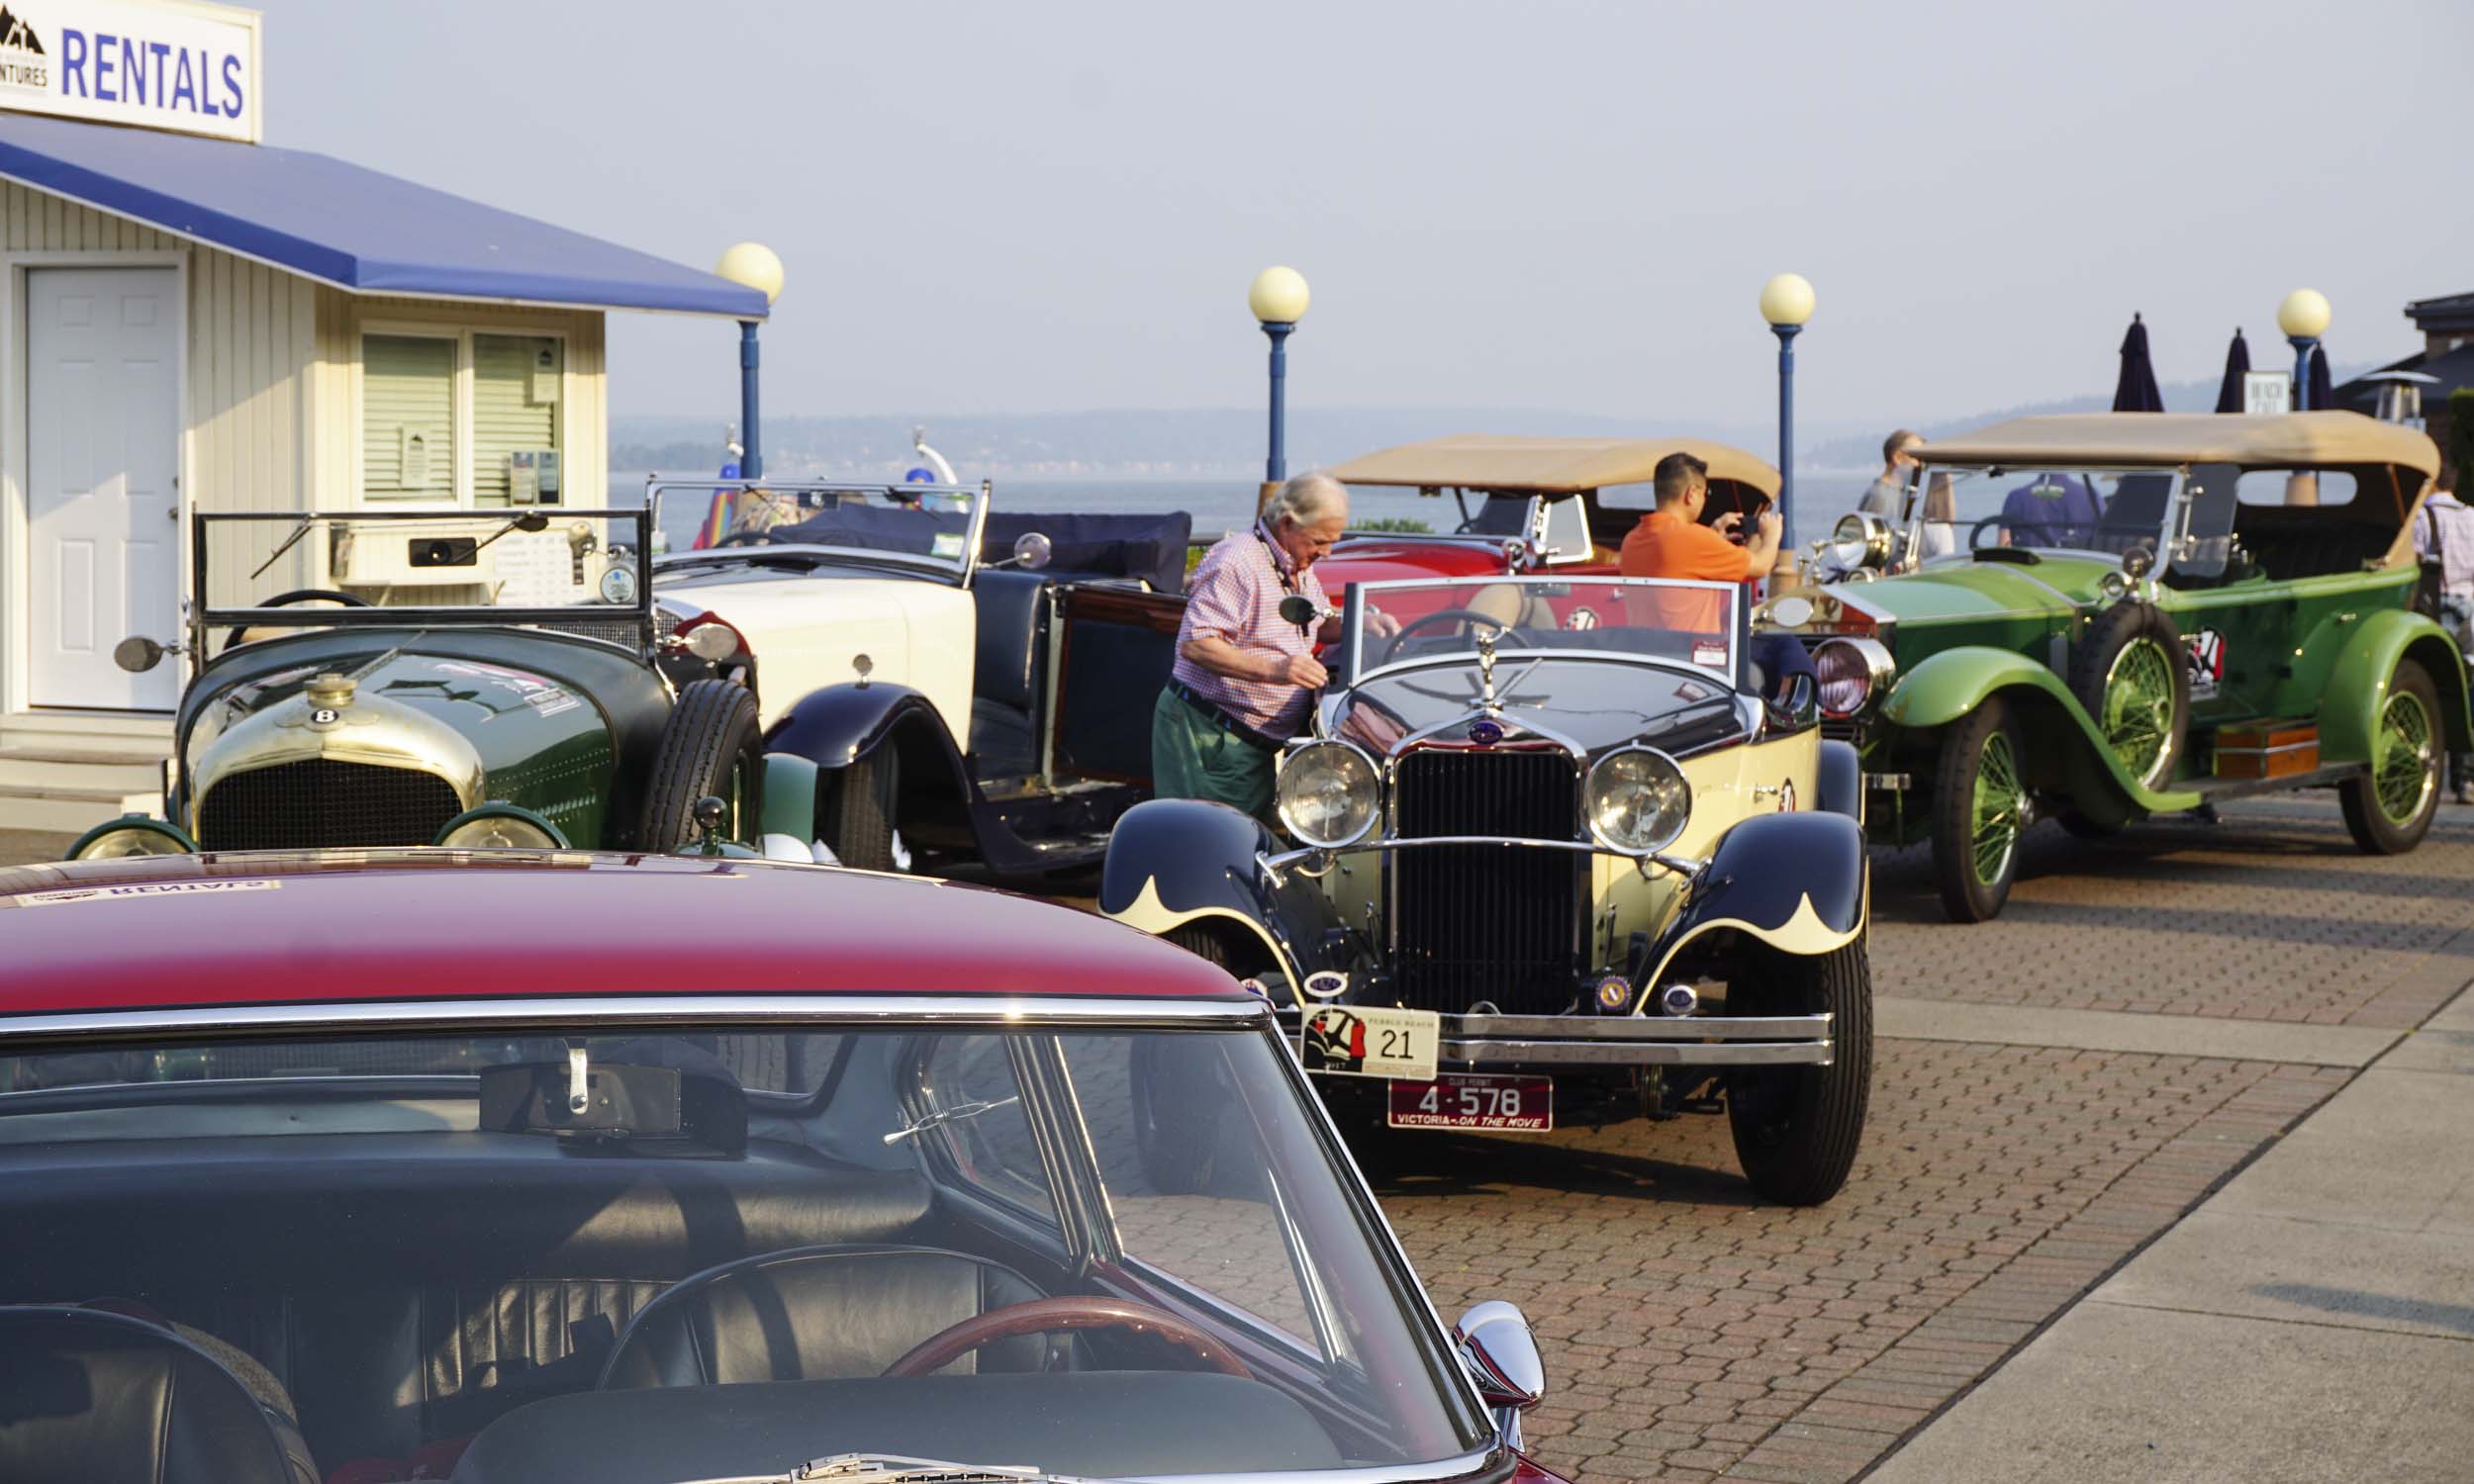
(2214, 788)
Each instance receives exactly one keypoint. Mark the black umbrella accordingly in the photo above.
(2229, 395)
(2136, 391)
(2323, 395)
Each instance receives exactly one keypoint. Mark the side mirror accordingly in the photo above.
(1501, 1355)
(1033, 551)
(138, 654)
(1300, 610)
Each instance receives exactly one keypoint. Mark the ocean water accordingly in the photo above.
(1218, 506)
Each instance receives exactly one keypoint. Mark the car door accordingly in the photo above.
(1113, 647)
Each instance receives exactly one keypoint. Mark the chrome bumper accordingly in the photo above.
(1474, 1042)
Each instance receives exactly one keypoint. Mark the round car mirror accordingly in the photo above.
(1794, 610)
(1297, 610)
(138, 654)
(2139, 561)
(1033, 551)
(712, 641)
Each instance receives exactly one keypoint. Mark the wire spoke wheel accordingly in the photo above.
(2402, 769)
(2138, 707)
(1998, 803)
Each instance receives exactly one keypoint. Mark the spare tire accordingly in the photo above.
(2132, 674)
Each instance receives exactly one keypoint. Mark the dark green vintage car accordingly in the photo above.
(495, 678)
(2107, 616)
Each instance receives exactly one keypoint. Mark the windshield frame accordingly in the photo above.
(1352, 673)
(2171, 527)
(906, 563)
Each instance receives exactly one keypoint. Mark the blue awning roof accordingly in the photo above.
(339, 224)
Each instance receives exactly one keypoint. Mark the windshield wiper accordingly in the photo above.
(287, 544)
(891, 1468)
(942, 1116)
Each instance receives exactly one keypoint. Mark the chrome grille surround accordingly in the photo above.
(315, 803)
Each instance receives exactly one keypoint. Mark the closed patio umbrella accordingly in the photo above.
(2322, 395)
(2229, 395)
(2135, 390)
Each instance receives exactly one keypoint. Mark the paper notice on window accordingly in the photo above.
(537, 569)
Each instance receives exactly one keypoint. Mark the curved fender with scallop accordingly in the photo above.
(1176, 861)
(1796, 882)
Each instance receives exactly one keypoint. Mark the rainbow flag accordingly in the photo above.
(718, 515)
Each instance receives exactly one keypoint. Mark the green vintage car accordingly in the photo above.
(2107, 616)
(497, 677)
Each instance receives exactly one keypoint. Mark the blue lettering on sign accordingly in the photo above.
(160, 51)
(156, 74)
(184, 83)
(103, 46)
(232, 87)
(133, 68)
(73, 63)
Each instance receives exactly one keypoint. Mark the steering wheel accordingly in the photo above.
(1975, 532)
(743, 538)
(1456, 615)
(298, 595)
(1073, 1312)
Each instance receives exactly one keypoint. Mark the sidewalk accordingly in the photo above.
(2312, 1320)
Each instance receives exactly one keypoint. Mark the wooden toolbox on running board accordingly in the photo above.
(2269, 749)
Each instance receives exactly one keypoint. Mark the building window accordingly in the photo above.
(516, 414)
(407, 417)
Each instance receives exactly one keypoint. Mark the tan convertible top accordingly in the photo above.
(2288, 441)
(1550, 466)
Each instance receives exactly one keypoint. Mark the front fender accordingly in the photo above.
(1840, 788)
(1794, 882)
(838, 725)
(1177, 860)
(2358, 684)
(1953, 683)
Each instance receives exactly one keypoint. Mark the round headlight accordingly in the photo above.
(130, 835)
(501, 827)
(1638, 801)
(1851, 672)
(1329, 794)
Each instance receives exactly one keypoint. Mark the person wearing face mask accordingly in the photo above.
(1245, 673)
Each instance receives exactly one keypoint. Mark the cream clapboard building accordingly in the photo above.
(192, 320)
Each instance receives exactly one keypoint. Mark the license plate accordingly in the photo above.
(1475, 1100)
(1371, 1041)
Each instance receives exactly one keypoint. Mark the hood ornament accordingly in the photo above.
(1485, 674)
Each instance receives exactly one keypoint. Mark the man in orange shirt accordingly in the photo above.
(1671, 542)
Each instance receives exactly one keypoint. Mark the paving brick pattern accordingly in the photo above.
(2272, 915)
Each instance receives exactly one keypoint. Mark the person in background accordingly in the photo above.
(2051, 509)
(2444, 534)
(1898, 455)
(1671, 542)
(1245, 675)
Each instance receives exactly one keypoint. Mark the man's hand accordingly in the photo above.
(1726, 524)
(1302, 669)
(1771, 525)
(1380, 623)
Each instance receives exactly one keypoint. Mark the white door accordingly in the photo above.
(103, 503)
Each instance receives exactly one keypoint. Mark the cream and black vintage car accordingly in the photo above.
(1558, 848)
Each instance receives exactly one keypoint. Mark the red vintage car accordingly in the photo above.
(1534, 505)
(503, 1166)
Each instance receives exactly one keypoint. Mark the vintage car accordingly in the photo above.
(2106, 617)
(1530, 505)
(1558, 852)
(506, 1165)
(472, 678)
(963, 678)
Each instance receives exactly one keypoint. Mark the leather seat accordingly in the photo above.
(1005, 670)
(88, 1395)
(819, 1313)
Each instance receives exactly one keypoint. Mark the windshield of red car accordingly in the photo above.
(537, 1243)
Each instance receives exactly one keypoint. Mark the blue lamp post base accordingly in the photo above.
(752, 456)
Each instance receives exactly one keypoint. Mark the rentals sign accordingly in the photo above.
(153, 63)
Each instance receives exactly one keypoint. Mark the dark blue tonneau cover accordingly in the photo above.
(1147, 546)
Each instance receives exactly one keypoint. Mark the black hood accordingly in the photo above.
(1596, 705)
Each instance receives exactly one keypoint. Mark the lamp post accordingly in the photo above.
(750, 265)
(2304, 317)
(1786, 303)
(1277, 298)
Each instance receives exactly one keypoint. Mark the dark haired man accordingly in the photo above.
(1671, 542)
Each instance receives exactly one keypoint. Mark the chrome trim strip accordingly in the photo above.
(1493, 1456)
(1641, 1053)
(1640, 1028)
(1288, 858)
(854, 1009)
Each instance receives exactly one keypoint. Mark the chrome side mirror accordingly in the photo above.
(138, 654)
(1033, 551)
(1501, 1358)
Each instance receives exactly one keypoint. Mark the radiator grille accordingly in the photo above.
(320, 802)
(1479, 922)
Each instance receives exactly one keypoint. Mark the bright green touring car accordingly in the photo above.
(2107, 616)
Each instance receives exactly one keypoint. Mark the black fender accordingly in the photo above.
(1840, 786)
(838, 725)
(1795, 882)
(1172, 862)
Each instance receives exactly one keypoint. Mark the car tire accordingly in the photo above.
(1179, 1094)
(862, 834)
(2132, 674)
(1797, 1128)
(1979, 769)
(2389, 809)
(711, 745)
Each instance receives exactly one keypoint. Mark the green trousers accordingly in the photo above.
(1193, 757)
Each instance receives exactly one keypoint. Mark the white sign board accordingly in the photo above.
(2268, 392)
(152, 63)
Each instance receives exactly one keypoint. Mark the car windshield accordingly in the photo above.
(1950, 512)
(514, 564)
(932, 528)
(1695, 623)
(677, 1249)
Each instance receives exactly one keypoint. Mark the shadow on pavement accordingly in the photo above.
(1443, 1164)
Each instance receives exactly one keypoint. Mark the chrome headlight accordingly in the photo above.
(1852, 673)
(130, 835)
(501, 827)
(1329, 794)
(1638, 801)
(1861, 542)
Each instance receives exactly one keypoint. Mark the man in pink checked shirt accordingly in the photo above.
(1244, 675)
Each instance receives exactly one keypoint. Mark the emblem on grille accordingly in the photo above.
(1486, 732)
